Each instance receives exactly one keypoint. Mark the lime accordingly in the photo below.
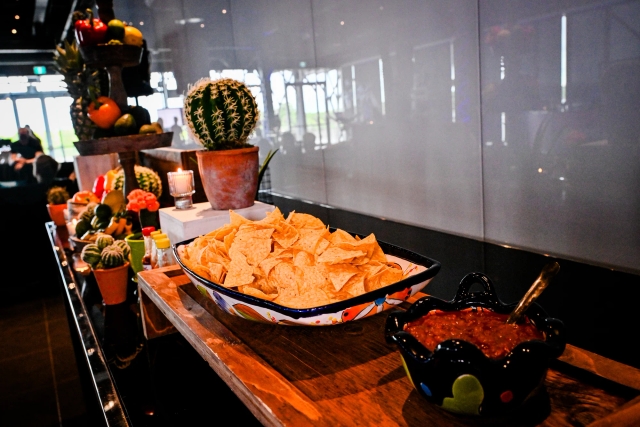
(115, 30)
(125, 125)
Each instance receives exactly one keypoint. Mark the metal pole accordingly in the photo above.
(46, 126)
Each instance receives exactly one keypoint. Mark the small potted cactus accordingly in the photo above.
(109, 261)
(56, 204)
(221, 115)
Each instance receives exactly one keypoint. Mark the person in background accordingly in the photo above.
(24, 152)
(308, 142)
(45, 169)
(178, 140)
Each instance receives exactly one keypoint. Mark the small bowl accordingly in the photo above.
(78, 244)
(457, 375)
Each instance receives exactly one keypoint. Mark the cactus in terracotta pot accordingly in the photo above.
(220, 114)
(57, 195)
(110, 256)
(110, 266)
(56, 204)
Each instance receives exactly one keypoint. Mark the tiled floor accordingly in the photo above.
(40, 384)
(39, 379)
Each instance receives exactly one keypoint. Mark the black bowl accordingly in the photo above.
(457, 375)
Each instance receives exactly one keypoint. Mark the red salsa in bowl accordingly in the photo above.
(484, 328)
(462, 355)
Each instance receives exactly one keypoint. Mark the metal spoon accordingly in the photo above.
(534, 291)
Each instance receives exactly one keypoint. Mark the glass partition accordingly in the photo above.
(513, 122)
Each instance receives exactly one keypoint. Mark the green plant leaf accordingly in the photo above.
(263, 167)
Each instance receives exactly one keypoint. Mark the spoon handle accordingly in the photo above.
(534, 291)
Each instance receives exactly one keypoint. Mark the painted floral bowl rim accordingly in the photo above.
(421, 270)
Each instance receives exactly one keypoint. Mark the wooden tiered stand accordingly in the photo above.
(114, 58)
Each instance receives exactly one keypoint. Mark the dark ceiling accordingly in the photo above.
(30, 30)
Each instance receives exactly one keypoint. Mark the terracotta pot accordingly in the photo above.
(113, 283)
(56, 212)
(229, 177)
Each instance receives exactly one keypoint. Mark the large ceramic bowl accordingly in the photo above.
(457, 375)
(420, 272)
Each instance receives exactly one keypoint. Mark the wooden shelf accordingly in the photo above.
(105, 55)
(123, 144)
(127, 148)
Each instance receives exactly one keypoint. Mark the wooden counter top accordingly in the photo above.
(348, 375)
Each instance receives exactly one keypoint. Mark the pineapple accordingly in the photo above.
(83, 85)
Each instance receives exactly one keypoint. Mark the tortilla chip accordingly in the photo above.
(295, 262)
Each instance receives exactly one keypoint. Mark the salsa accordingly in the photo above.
(484, 328)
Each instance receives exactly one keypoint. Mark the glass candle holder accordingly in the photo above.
(181, 187)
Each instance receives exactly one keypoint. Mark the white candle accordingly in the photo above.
(181, 182)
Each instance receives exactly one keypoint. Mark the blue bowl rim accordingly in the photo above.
(432, 267)
(553, 344)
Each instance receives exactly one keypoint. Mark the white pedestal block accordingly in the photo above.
(180, 225)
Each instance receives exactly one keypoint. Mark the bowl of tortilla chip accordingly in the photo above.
(298, 271)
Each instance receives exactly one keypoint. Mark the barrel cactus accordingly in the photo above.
(148, 180)
(112, 256)
(91, 254)
(57, 195)
(220, 114)
(103, 240)
(126, 249)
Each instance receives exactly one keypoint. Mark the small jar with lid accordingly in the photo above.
(164, 255)
(148, 246)
(154, 252)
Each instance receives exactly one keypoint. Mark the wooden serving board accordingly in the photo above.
(348, 375)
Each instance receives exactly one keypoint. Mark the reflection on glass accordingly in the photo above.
(8, 127)
(60, 127)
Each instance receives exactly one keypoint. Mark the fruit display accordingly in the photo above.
(93, 31)
(94, 114)
(83, 85)
(99, 220)
(85, 197)
(111, 120)
(90, 31)
(104, 112)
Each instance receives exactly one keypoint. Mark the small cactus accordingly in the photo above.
(57, 195)
(103, 240)
(91, 254)
(112, 256)
(221, 114)
(126, 249)
(148, 180)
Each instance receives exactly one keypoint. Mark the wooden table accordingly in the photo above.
(348, 375)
